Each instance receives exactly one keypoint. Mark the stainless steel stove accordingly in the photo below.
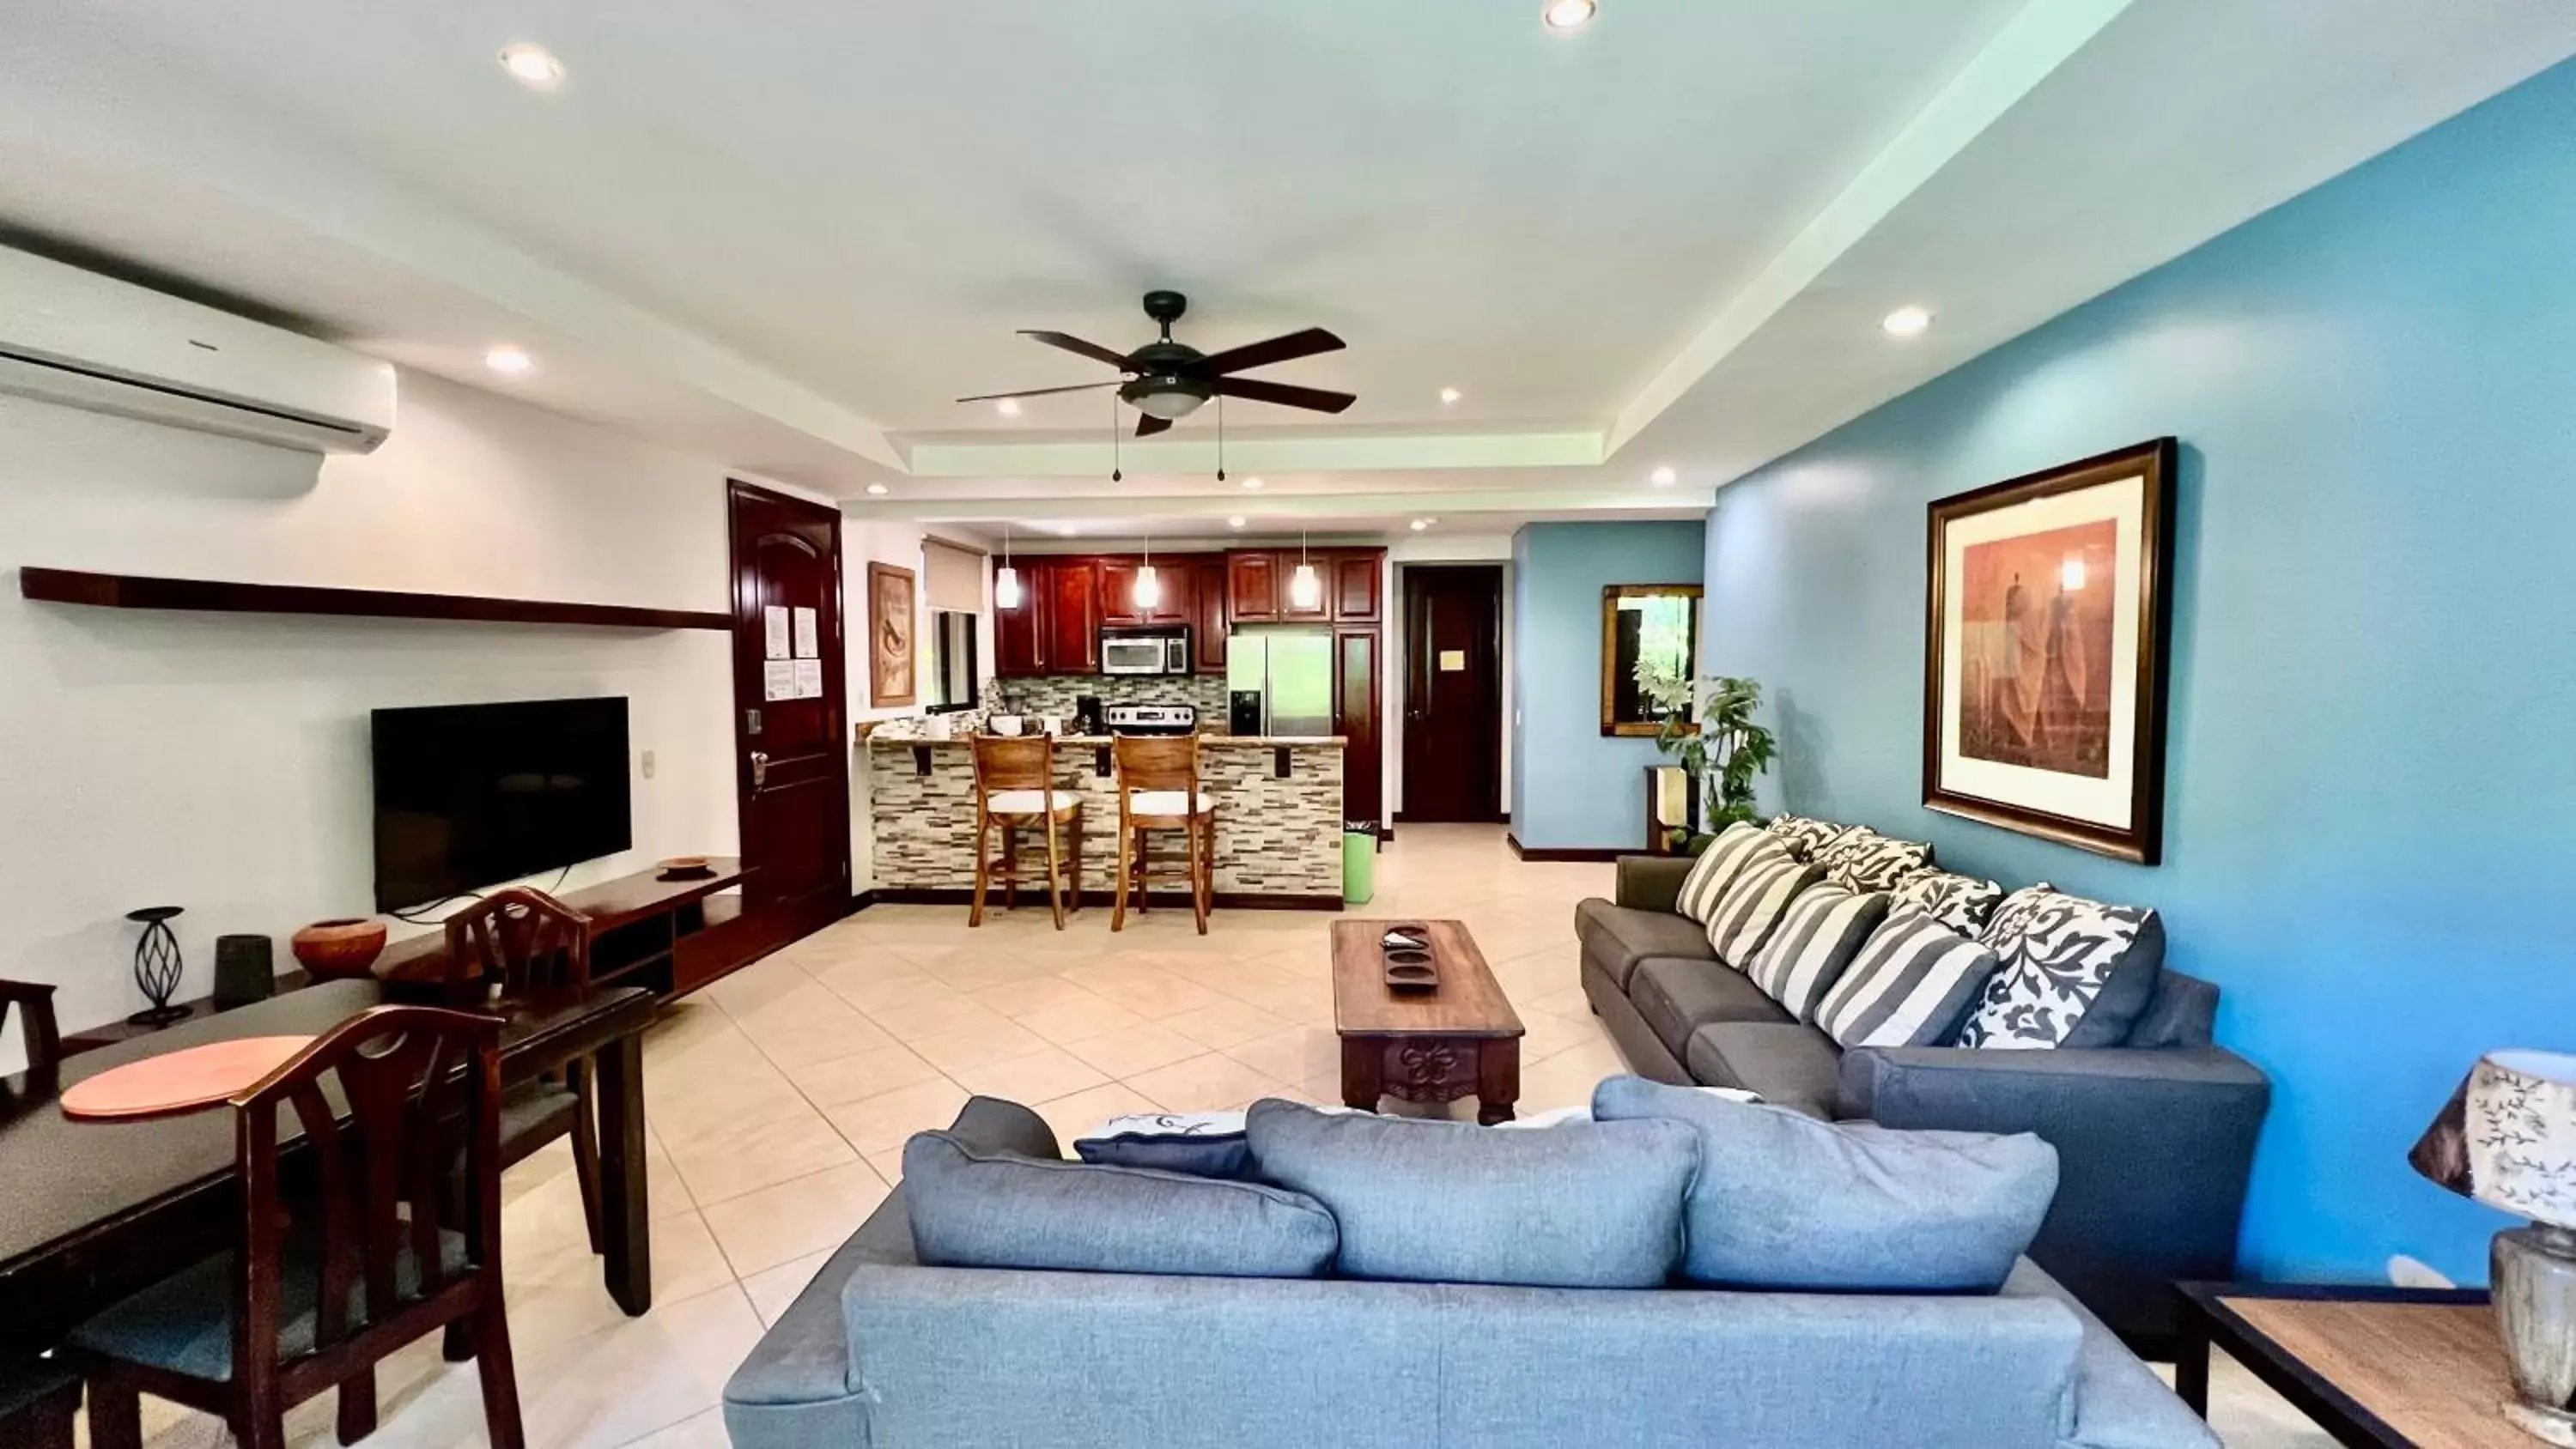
(1150, 719)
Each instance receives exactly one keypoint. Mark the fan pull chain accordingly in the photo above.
(1116, 474)
(1220, 437)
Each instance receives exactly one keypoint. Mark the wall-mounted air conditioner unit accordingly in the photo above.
(69, 336)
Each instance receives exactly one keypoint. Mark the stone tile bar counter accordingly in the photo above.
(1278, 840)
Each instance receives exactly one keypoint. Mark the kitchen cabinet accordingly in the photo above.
(1179, 591)
(1070, 621)
(1208, 621)
(1016, 651)
(1252, 588)
(1353, 584)
(1356, 716)
(1118, 607)
(1290, 560)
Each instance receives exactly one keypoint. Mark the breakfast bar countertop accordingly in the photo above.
(904, 732)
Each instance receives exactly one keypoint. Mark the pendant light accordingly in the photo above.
(1304, 589)
(1149, 589)
(1006, 579)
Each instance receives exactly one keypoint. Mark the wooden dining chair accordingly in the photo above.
(343, 1255)
(38, 1405)
(522, 943)
(1158, 789)
(35, 1005)
(1014, 789)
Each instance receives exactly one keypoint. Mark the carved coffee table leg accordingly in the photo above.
(1498, 1080)
(1363, 1072)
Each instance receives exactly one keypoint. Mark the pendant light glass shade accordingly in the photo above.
(1304, 589)
(1006, 587)
(1149, 589)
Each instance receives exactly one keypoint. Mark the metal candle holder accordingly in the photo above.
(156, 965)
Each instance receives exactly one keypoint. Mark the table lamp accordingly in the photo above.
(2508, 1139)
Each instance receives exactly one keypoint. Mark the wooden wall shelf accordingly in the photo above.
(136, 591)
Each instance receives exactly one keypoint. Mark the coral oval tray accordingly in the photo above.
(181, 1081)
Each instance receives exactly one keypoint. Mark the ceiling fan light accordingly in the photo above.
(1006, 587)
(1305, 590)
(1169, 404)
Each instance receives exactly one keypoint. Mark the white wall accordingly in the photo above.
(865, 541)
(219, 762)
(1461, 548)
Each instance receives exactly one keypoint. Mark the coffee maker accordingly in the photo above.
(1086, 715)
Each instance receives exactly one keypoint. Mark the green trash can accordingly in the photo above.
(1359, 861)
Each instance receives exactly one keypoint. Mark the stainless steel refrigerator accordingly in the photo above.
(1292, 670)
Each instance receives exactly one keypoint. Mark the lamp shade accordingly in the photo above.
(2508, 1137)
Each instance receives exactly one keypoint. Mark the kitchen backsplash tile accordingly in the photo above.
(1055, 693)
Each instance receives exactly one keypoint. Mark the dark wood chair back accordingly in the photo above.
(35, 1005)
(522, 941)
(1156, 763)
(375, 1190)
(1013, 762)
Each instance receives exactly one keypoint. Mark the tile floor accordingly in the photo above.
(780, 1098)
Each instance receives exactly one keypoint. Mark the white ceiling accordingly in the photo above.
(791, 235)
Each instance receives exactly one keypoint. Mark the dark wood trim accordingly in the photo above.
(1406, 817)
(1584, 854)
(2207, 1321)
(1176, 900)
(1611, 594)
(2143, 840)
(208, 596)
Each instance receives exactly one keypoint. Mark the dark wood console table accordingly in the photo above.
(670, 935)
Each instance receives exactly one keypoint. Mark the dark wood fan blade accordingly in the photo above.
(1313, 398)
(1043, 391)
(1261, 354)
(1147, 425)
(1092, 350)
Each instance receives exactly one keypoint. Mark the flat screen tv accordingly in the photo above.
(470, 795)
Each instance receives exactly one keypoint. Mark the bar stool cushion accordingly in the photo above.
(1031, 802)
(1167, 802)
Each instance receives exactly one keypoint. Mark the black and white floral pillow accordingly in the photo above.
(2075, 973)
(1961, 902)
(1861, 859)
(1804, 836)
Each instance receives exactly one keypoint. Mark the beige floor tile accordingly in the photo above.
(1544, 1034)
(830, 1084)
(1037, 1077)
(889, 1165)
(874, 988)
(997, 1040)
(1226, 1024)
(1208, 1083)
(758, 984)
(1292, 1055)
(1567, 1002)
(808, 1215)
(564, 1293)
(1130, 1050)
(721, 1168)
(1083, 1112)
(954, 1011)
(643, 1375)
(823, 1039)
(698, 1431)
(882, 1122)
(1162, 995)
(772, 1290)
(1042, 993)
(1073, 1020)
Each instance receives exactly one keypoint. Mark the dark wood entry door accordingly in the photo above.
(1453, 692)
(792, 752)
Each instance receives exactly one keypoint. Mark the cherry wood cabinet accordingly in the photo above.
(1252, 587)
(1016, 633)
(1356, 716)
(1291, 611)
(1353, 584)
(1208, 621)
(1071, 620)
(1118, 606)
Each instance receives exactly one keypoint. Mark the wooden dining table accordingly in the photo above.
(93, 1211)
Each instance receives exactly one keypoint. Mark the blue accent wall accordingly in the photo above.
(2371, 818)
(1571, 787)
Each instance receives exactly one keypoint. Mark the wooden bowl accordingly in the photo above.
(338, 948)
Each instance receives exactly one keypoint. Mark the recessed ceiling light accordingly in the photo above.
(1420, 524)
(1568, 14)
(1008, 407)
(1069, 530)
(1906, 322)
(1663, 477)
(1252, 483)
(1450, 395)
(1235, 522)
(876, 490)
(507, 359)
(532, 66)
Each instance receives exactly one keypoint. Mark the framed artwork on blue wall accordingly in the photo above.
(2045, 653)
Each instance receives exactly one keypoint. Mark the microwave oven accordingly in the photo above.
(1145, 651)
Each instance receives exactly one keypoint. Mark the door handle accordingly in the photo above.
(759, 770)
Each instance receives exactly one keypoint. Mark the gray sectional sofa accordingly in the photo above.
(882, 1351)
(2155, 1136)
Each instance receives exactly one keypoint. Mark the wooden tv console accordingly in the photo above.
(672, 935)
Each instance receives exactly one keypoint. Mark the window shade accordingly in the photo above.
(953, 577)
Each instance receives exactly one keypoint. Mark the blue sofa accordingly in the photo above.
(880, 1351)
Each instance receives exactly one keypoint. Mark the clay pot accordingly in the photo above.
(345, 947)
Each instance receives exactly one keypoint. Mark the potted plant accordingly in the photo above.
(1708, 728)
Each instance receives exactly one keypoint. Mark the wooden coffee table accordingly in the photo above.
(1424, 1046)
(2378, 1368)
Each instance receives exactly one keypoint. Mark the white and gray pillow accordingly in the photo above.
(1814, 944)
(1913, 979)
(1752, 905)
(1861, 859)
(1738, 846)
(1804, 836)
(2073, 973)
(1961, 902)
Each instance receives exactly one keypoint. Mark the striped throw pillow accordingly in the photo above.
(1752, 905)
(1909, 986)
(1716, 868)
(1823, 930)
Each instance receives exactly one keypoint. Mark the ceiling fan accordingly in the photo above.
(1166, 379)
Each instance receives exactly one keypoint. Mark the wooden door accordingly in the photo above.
(1289, 561)
(1252, 588)
(1353, 584)
(1208, 622)
(792, 753)
(1016, 651)
(1355, 718)
(1072, 618)
(1453, 692)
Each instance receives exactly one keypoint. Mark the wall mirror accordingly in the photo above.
(1649, 646)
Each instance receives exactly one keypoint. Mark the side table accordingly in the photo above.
(2379, 1368)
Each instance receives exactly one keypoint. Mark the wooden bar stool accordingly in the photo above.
(1158, 789)
(1015, 788)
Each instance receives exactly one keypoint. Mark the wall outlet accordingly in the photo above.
(648, 764)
